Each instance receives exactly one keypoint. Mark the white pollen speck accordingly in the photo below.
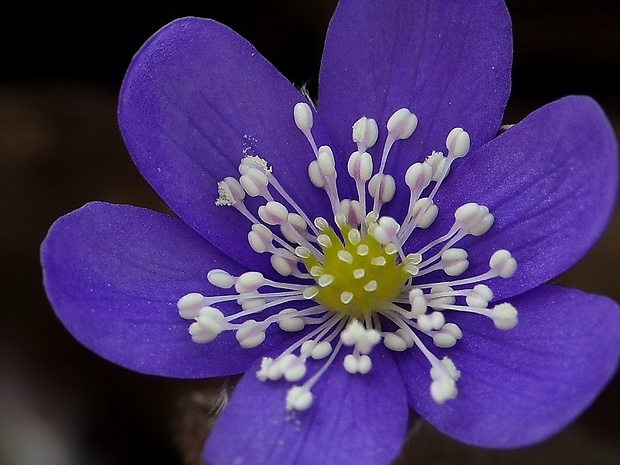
(362, 250)
(346, 297)
(378, 261)
(345, 256)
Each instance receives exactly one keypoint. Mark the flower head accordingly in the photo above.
(357, 261)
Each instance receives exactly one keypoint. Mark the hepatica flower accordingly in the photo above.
(383, 253)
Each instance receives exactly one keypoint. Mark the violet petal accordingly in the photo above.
(114, 274)
(196, 99)
(448, 62)
(520, 386)
(360, 417)
(551, 183)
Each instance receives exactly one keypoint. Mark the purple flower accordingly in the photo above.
(359, 261)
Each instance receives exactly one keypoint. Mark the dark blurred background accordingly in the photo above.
(61, 67)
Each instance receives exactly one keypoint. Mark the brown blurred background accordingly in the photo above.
(62, 65)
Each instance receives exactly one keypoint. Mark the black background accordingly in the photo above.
(61, 66)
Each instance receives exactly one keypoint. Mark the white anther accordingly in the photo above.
(250, 334)
(431, 321)
(386, 230)
(398, 341)
(402, 124)
(437, 160)
(467, 215)
(453, 329)
(447, 336)
(504, 316)
(260, 238)
(418, 303)
(265, 364)
(429, 209)
(212, 322)
(229, 192)
(209, 324)
(254, 182)
(483, 224)
(292, 367)
(190, 304)
(284, 262)
(352, 333)
(360, 166)
(439, 302)
(355, 334)
(365, 132)
(303, 116)
(418, 176)
(387, 188)
(503, 264)
(352, 211)
(297, 222)
(479, 296)
(454, 261)
(298, 398)
(273, 213)
(220, 278)
(345, 256)
(357, 364)
(321, 350)
(458, 142)
(314, 173)
(444, 375)
(445, 368)
(249, 303)
(443, 389)
(249, 282)
(325, 159)
(253, 161)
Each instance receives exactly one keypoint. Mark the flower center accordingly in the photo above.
(354, 282)
(358, 275)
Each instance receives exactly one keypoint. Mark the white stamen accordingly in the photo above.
(190, 304)
(221, 279)
(457, 143)
(249, 282)
(365, 133)
(229, 192)
(504, 316)
(299, 399)
(354, 265)
(503, 264)
(303, 117)
(402, 124)
(250, 334)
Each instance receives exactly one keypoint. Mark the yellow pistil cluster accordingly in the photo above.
(357, 275)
